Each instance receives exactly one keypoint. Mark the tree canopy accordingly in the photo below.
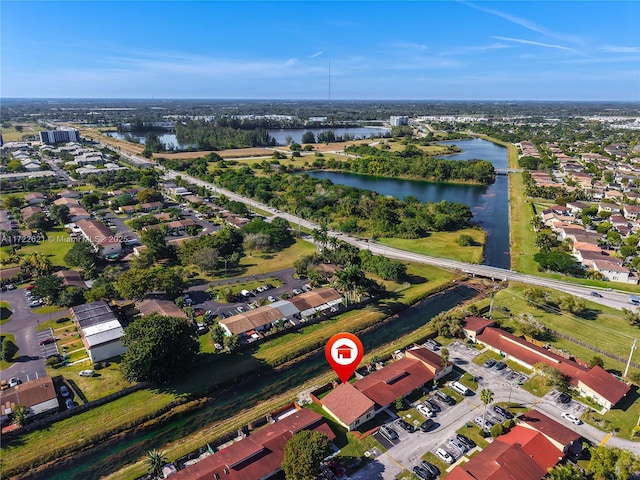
(303, 455)
(158, 348)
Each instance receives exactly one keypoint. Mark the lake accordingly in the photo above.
(279, 135)
(489, 204)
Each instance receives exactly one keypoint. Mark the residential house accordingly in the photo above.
(418, 367)
(35, 198)
(77, 213)
(100, 330)
(631, 212)
(612, 270)
(563, 438)
(259, 455)
(66, 193)
(38, 395)
(150, 206)
(589, 382)
(100, 236)
(71, 278)
(68, 201)
(163, 307)
(28, 212)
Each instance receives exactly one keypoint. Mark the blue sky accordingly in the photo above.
(399, 50)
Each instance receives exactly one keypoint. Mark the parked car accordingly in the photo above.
(466, 440)
(406, 426)
(460, 388)
(14, 382)
(428, 425)
(69, 403)
(388, 432)
(490, 363)
(296, 291)
(432, 405)
(503, 412)
(425, 410)
(47, 341)
(445, 398)
(500, 366)
(4, 385)
(563, 398)
(483, 423)
(430, 467)
(271, 299)
(86, 373)
(35, 303)
(64, 391)
(444, 455)
(10, 286)
(571, 418)
(457, 446)
(421, 473)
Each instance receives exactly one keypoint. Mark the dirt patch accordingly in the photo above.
(232, 153)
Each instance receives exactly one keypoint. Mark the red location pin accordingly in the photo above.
(344, 352)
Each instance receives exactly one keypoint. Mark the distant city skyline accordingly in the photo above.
(369, 50)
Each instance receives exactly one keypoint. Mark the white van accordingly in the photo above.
(460, 388)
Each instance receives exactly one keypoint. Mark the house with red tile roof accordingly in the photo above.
(602, 387)
(353, 404)
(349, 406)
(257, 456)
(475, 325)
(563, 438)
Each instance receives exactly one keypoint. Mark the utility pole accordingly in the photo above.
(633, 349)
(493, 294)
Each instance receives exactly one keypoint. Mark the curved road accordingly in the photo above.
(609, 298)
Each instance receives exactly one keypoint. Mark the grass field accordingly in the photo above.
(263, 263)
(443, 244)
(55, 247)
(12, 135)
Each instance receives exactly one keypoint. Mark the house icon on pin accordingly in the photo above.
(344, 351)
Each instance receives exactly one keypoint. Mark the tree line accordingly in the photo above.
(414, 163)
(210, 136)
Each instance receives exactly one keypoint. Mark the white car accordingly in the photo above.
(425, 410)
(444, 455)
(86, 373)
(571, 418)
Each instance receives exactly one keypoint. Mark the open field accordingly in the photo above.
(12, 134)
(443, 244)
(232, 153)
(55, 247)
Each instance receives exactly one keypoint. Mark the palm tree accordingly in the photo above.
(20, 415)
(444, 353)
(155, 461)
(486, 397)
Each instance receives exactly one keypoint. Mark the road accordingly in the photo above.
(608, 298)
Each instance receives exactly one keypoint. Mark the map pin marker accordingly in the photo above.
(344, 352)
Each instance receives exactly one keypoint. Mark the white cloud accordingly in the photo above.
(620, 49)
(529, 25)
(317, 54)
(477, 48)
(408, 45)
(531, 42)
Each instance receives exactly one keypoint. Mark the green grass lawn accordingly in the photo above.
(621, 419)
(55, 247)
(10, 338)
(469, 380)
(5, 312)
(536, 386)
(443, 244)
(484, 356)
(47, 309)
(472, 431)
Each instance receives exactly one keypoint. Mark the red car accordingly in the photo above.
(29, 287)
(47, 341)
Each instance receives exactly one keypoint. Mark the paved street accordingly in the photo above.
(23, 323)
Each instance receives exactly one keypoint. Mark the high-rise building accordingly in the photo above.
(397, 121)
(62, 135)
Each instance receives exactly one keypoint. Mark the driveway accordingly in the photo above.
(23, 323)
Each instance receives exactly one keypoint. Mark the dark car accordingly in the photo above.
(466, 440)
(502, 412)
(433, 405)
(430, 467)
(595, 294)
(490, 363)
(406, 426)
(47, 341)
(445, 398)
(428, 425)
(500, 366)
(563, 398)
(421, 473)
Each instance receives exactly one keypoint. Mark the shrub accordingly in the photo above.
(465, 240)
